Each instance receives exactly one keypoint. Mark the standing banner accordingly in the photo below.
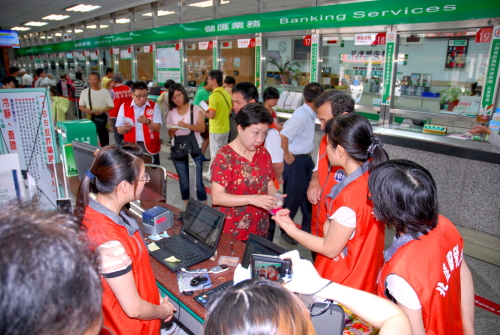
(390, 48)
(27, 129)
(490, 88)
(258, 60)
(181, 61)
(314, 58)
(169, 64)
(215, 55)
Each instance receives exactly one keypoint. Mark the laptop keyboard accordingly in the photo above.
(180, 249)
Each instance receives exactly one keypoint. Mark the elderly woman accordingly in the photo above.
(424, 270)
(242, 177)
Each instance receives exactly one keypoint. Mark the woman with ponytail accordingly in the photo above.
(131, 302)
(349, 251)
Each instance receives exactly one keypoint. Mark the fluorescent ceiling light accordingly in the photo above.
(20, 28)
(123, 20)
(58, 34)
(35, 23)
(49, 37)
(82, 8)
(208, 3)
(69, 31)
(160, 13)
(93, 26)
(42, 37)
(78, 31)
(55, 17)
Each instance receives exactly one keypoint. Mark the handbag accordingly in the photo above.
(185, 145)
(101, 120)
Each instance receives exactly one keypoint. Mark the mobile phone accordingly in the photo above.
(279, 205)
(271, 267)
(219, 268)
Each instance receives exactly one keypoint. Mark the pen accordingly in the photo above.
(232, 251)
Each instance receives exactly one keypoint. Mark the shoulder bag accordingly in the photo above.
(100, 120)
(186, 145)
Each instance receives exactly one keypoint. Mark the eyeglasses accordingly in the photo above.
(141, 96)
(145, 178)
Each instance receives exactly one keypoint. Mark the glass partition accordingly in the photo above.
(168, 13)
(105, 25)
(91, 28)
(237, 62)
(197, 10)
(143, 17)
(122, 21)
(125, 64)
(199, 63)
(145, 65)
(237, 7)
(106, 60)
(276, 5)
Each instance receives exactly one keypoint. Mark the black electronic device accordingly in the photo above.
(259, 245)
(155, 90)
(204, 297)
(271, 267)
(84, 155)
(197, 240)
(192, 83)
(198, 281)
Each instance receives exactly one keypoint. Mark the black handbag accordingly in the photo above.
(186, 145)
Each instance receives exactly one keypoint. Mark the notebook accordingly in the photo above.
(197, 240)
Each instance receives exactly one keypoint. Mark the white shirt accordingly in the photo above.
(273, 145)
(138, 111)
(403, 292)
(173, 119)
(44, 82)
(299, 130)
(27, 80)
(101, 99)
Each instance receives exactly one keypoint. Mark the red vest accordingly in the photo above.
(360, 267)
(101, 229)
(122, 95)
(327, 177)
(151, 138)
(431, 266)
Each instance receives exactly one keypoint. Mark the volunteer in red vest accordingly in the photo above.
(424, 270)
(120, 94)
(140, 121)
(131, 302)
(329, 105)
(349, 251)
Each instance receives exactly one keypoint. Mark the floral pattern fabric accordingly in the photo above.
(241, 177)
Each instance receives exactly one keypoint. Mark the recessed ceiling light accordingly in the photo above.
(58, 34)
(122, 20)
(20, 28)
(208, 3)
(69, 31)
(78, 31)
(42, 37)
(93, 26)
(35, 23)
(160, 13)
(55, 17)
(49, 37)
(82, 8)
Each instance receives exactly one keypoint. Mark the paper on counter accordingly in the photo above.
(172, 259)
(153, 247)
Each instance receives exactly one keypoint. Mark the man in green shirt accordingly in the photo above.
(219, 108)
(202, 94)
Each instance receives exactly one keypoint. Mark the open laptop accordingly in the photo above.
(84, 155)
(197, 240)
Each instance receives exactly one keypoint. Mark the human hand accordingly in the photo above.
(167, 309)
(182, 124)
(289, 159)
(96, 112)
(477, 129)
(128, 126)
(142, 119)
(263, 201)
(283, 219)
(280, 126)
(171, 132)
(305, 278)
(314, 192)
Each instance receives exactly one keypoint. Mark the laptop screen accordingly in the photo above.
(84, 157)
(259, 245)
(204, 223)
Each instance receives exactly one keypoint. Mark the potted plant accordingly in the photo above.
(449, 96)
(286, 69)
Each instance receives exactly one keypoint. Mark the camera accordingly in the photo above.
(271, 267)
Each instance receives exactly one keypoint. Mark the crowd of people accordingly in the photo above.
(347, 198)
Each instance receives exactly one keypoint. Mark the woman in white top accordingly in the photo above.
(180, 115)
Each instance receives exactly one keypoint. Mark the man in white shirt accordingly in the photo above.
(42, 80)
(26, 79)
(140, 121)
(297, 141)
(96, 102)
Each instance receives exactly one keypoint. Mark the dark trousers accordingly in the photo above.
(296, 177)
(100, 125)
(118, 137)
(156, 158)
(182, 168)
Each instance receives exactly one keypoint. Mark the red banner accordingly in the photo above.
(483, 35)
(306, 41)
(491, 306)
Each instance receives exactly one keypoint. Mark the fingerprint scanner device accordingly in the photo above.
(156, 220)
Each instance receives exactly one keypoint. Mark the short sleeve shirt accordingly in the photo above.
(220, 101)
(201, 95)
(241, 177)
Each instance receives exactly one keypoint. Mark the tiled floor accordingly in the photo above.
(486, 276)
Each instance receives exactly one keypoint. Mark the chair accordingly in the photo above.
(158, 182)
(148, 158)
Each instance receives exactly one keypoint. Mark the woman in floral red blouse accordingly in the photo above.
(242, 176)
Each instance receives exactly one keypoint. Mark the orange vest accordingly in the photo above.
(102, 229)
(327, 177)
(122, 95)
(364, 252)
(151, 138)
(431, 266)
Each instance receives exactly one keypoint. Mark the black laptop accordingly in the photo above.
(197, 240)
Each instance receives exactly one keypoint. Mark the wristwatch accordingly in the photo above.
(148, 122)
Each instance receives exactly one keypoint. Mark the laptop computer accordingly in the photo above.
(197, 240)
(155, 90)
(84, 155)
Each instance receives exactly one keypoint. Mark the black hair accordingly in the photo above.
(247, 90)
(171, 90)
(48, 274)
(270, 93)
(8, 79)
(355, 134)
(138, 85)
(404, 197)
(112, 165)
(93, 73)
(217, 75)
(325, 97)
(78, 75)
(129, 83)
(53, 90)
(312, 91)
(230, 80)
(168, 83)
(340, 102)
(257, 307)
(253, 113)
(39, 71)
(13, 69)
(108, 70)
(63, 76)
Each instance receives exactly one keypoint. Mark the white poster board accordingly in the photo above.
(26, 129)
(168, 64)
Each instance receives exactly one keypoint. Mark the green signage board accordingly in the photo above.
(314, 58)
(367, 13)
(390, 47)
(215, 56)
(258, 59)
(491, 81)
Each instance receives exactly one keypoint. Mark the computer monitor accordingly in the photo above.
(259, 245)
(155, 90)
(84, 157)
